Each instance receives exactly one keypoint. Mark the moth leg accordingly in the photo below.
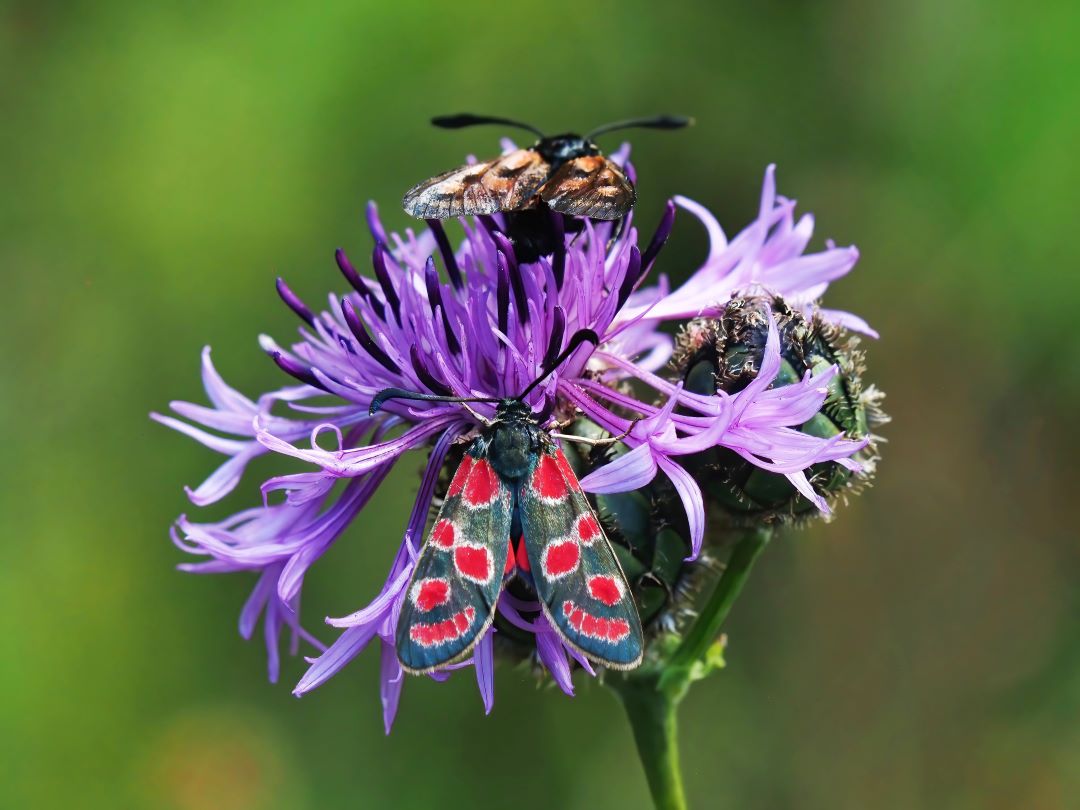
(596, 442)
(478, 417)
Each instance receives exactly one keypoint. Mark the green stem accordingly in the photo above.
(652, 717)
(704, 632)
(651, 694)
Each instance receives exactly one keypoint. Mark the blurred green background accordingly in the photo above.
(161, 163)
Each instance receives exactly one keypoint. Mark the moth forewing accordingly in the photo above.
(451, 597)
(578, 579)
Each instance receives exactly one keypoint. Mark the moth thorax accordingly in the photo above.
(558, 149)
(510, 449)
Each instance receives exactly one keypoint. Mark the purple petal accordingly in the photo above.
(693, 503)
(849, 321)
(224, 479)
(631, 470)
(228, 447)
(223, 396)
(377, 608)
(552, 655)
(347, 646)
(484, 663)
(271, 634)
(249, 615)
(801, 483)
(391, 679)
(363, 459)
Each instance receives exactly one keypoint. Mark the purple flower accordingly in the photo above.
(486, 327)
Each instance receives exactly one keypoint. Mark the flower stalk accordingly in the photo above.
(651, 695)
(653, 719)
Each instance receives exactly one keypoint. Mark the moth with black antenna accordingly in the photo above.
(514, 508)
(567, 173)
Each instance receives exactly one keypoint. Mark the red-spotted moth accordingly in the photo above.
(515, 509)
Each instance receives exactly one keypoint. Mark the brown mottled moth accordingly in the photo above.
(566, 172)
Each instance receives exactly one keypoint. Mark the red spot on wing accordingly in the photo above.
(460, 477)
(430, 635)
(547, 479)
(588, 529)
(598, 627)
(461, 621)
(567, 471)
(606, 589)
(483, 485)
(442, 534)
(560, 557)
(617, 629)
(428, 594)
(473, 562)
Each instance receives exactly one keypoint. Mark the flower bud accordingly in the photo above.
(725, 354)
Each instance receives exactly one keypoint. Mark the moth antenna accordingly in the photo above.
(659, 122)
(469, 120)
(401, 393)
(580, 336)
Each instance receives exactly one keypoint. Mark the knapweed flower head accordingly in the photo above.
(474, 321)
(728, 353)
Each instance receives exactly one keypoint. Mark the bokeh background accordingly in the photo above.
(161, 163)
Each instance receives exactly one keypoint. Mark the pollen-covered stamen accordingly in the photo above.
(428, 594)
(663, 231)
(434, 291)
(375, 226)
(502, 292)
(558, 328)
(489, 223)
(513, 271)
(426, 376)
(356, 326)
(447, 252)
(559, 558)
(378, 262)
(358, 282)
(473, 561)
(293, 302)
(633, 275)
(294, 369)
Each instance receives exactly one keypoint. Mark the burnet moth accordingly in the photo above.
(514, 508)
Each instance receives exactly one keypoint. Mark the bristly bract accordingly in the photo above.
(515, 508)
(567, 173)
